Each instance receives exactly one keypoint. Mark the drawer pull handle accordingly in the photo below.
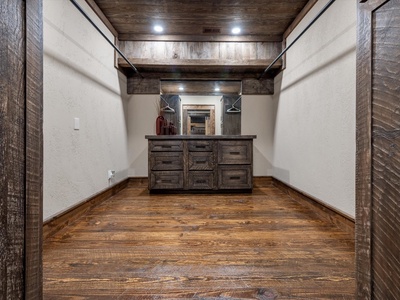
(201, 181)
(167, 162)
(167, 147)
(234, 153)
(235, 177)
(201, 161)
(200, 147)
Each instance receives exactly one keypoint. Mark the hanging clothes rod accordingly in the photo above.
(104, 36)
(295, 40)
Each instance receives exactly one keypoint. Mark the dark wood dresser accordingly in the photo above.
(200, 163)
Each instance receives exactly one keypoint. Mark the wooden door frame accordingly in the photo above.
(186, 107)
(22, 149)
(364, 147)
(31, 284)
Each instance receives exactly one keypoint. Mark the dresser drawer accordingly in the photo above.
(160, 180)
(201, 180)
(235, 177)
(201, 161)
(165, 145)
(200, 146)
(235, 152)
(160, 161)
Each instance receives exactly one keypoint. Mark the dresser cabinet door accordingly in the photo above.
(164, 146)
(235, 177)
(235, 152)
(201, 180)
(166, 180)
(201, 161)
(166, 161)
(206, 145)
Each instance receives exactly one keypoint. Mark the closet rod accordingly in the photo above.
(104, 36)
(295, 40)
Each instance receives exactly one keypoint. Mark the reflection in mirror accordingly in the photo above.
(198, 119)
(202, 107)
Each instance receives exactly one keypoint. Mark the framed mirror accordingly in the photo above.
(203, 107)
(198, 119)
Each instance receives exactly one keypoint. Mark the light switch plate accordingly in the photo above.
(76, 123)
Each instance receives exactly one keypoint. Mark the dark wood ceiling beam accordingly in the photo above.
(102, 17)
(176, 75)
(166, 51)
(250, 86)
(194, 63)
(201, 38)
(299, 17)
(200, 59)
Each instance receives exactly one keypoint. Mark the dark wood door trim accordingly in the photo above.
(364, 146)
(21, 159)
(34, 150)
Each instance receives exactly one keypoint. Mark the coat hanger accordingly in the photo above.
(167, 108)
(233, 108)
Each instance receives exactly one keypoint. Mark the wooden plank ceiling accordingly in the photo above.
(192, 20)
(197, 34)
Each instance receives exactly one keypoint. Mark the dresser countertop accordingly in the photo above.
(200, 137)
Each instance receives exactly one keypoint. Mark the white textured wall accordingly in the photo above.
(314, 135)
(142, 111)
(257, 118)
(80, 81)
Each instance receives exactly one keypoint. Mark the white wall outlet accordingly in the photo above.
(111, 174)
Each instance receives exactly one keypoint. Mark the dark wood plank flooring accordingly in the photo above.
(226, 246)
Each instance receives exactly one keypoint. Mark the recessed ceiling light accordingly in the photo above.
(217, 89)
(181, 88)
(236, 30)
(158, 28)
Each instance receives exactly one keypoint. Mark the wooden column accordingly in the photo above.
(378, 150)
(21, 149)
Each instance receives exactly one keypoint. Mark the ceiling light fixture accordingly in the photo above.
(236, 30)
(181, 88)
(158, 28)
(217, 89)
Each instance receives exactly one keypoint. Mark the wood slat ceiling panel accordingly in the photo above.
(189, 18)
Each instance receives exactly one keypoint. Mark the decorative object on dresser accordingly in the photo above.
(168, 120)
(200, 163)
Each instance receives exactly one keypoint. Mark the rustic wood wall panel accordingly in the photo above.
(34, 150)
(209, 60)
(21, 149)
(250, 86)
(386, 152)
(12, 148)
(231, 122)
(174, 101)
(378, 150)
(200, 50)
(143, 85)
(258, 87)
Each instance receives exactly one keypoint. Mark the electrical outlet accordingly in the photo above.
(111, 174)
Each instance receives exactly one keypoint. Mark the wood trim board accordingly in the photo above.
(34, 150)
(325, 211)
(374, 217)
(63, 219)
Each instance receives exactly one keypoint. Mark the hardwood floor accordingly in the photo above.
(226, 246)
